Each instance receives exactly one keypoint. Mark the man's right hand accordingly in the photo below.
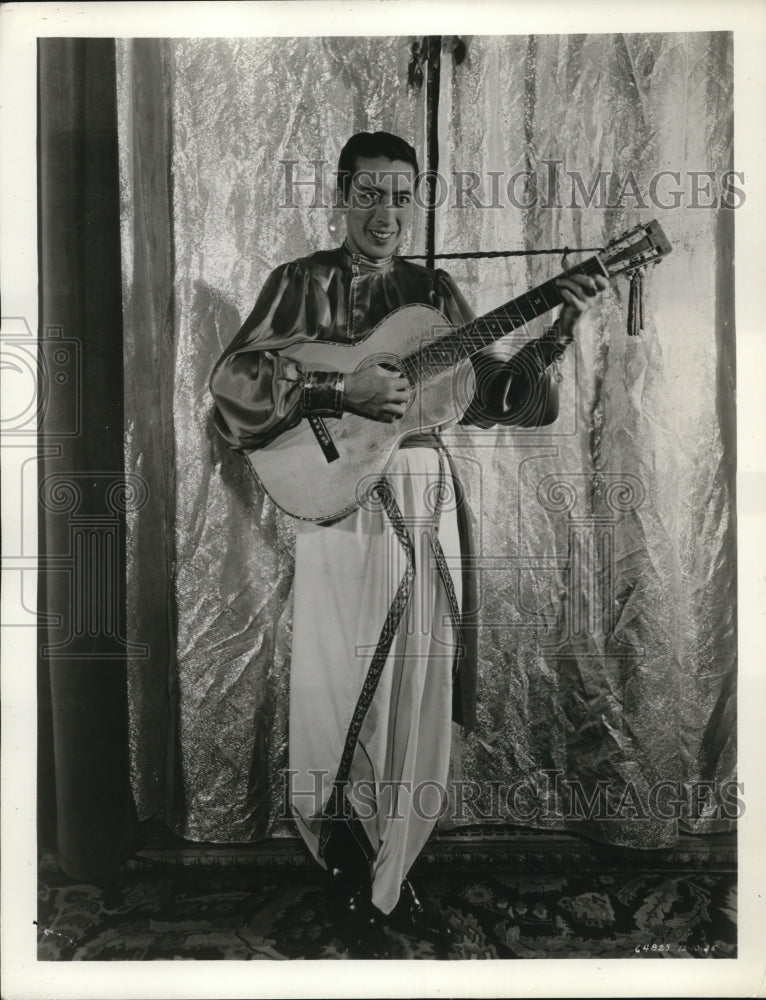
(376, 393)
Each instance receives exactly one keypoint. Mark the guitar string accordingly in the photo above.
(418, 363)
(441, 354)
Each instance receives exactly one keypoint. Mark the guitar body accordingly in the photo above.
(294, 469)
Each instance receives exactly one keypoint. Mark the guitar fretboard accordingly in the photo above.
(445, 352)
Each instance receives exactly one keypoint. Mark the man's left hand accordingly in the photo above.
(578, 292)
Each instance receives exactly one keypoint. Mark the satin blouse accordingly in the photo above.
(338, 295)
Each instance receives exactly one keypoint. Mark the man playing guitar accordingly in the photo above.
(379, 665)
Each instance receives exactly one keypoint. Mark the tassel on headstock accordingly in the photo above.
(636, 303)
(630, 254)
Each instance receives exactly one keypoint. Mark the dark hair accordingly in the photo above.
(372, 144)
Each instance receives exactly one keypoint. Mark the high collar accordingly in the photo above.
(368, 265)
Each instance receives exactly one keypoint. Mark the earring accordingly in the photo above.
(335, 223)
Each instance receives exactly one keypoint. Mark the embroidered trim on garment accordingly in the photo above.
(390, 627)
(441, 565)
(339, 389)
(308, 387)
(374, 263)
(352, 296)
(358, 264)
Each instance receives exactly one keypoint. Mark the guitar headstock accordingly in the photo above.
(644, 244)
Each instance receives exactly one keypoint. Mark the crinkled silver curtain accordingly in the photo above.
(605, 542)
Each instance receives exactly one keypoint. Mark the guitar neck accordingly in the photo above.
(464, 341)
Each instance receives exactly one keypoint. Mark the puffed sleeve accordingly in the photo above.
(521, 390)
(258, 393)
(450, 300)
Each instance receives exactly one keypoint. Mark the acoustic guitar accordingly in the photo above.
(324, 468)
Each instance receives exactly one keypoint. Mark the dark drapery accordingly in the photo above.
(84, 783)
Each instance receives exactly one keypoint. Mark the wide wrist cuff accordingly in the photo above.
(322, 394)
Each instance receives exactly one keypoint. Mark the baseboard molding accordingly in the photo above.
(469, 847)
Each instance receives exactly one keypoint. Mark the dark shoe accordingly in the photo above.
(362, 928)
(411, 916)
(359, 922)
(342, 892)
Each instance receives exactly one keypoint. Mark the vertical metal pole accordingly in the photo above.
(433, 73)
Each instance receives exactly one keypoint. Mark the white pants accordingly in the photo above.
(347, 577)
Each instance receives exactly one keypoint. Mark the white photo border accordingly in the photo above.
(24, 977)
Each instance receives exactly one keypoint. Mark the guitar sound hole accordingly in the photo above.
(390, 367)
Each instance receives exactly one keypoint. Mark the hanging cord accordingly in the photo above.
(635, 299)
(488, 254)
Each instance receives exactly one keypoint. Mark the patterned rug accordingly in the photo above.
(151, 911)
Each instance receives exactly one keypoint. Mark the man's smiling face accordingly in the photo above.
(379, 205)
